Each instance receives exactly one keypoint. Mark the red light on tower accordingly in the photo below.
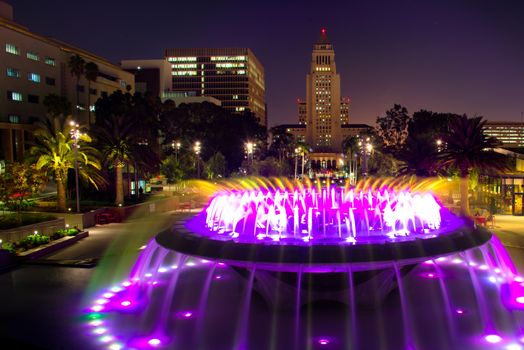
(323, 30)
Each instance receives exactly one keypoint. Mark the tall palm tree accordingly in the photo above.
(53, 151)
(467, 147)
(77, 69)
(117, 141)
(91, 73)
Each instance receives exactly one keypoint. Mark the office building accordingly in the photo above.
(232, 75)
(34, 66)
(510, 134)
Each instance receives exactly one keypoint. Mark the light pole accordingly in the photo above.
(250, 147)
(439, 145)
(75, 135)
(366, 148)
(297, 150)
(176, 146)
(197, 149)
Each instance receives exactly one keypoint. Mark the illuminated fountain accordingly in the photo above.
(305, 267)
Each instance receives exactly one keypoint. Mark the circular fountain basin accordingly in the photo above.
(323, 256)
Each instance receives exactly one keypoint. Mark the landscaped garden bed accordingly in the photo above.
(35, 240)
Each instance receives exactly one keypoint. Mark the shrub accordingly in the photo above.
(10, 247)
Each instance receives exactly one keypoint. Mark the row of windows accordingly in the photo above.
(34, 77)
(15, 50)
(19, 97)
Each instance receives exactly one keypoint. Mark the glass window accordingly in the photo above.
(14, 96)
(12, 72)
(10, 48)
(50, 81)
(35, 78)
(33, 99)
(13, 118)
(50, 61)
(33, 56)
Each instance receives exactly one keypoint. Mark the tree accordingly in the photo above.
(91, 74)
(18, 182)
(216, 166)
(53, 152)
(282, 142)
(392, 128)
(77, 69)
(119, 137)
(467, 147)
(58, 108)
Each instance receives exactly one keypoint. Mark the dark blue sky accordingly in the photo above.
(443, 55)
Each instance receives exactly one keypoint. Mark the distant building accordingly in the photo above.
(232, 75)
(323, 116)
(34, 66)
(344, 110)
(349, 130)
(152, 76)
(510, 134)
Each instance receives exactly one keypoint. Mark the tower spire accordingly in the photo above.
(323, 39)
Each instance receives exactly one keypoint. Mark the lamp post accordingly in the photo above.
(297, 150)
(75, 135)
(250, 147)
(176, 146)
(439, 145)
(366, 148)
(197, 147)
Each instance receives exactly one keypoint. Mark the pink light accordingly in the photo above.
(323, 341)
(126, 284)
(97, 308)
(218, 277)
(154, 342)
(324, 32)
(188, 314)
(493, 338)
(125, 303)
(108, 295)
(520, 300)
(459, 311)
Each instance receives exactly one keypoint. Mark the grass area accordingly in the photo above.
(12, 220)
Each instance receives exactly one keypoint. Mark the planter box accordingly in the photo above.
(52, 246)
(44, 228)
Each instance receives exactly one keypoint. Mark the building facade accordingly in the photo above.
(152, 76)
(323, 112)
(232, 75)
(510, 134)
(34, 66)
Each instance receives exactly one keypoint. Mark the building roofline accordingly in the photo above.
(55, 42)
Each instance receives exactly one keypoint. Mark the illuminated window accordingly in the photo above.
(33, 56)
(50, 61)
(228, 58)
(10, 48)
(184, 72)
(184, 65)
(182, 59)
(35, 78)
(12, 72)
(14, 119)
(14, 96)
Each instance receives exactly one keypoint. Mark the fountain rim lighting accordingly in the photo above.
(182, 240)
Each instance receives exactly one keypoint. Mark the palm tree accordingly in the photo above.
(466, 148)
(91, 73)
(58, 108)
(119, 144)
(53, 151)
(77, 69)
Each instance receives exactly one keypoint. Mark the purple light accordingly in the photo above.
(188, 314)
(429, 275)
(217, 277)
(520, 300)
(125, 303)
(459, 311)
(493, 338)
(256, 215)
(323, 341)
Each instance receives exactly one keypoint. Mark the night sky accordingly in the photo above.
(442, 55)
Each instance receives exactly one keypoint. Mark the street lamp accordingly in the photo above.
(176, 146)
(75, 135)
(439, 145)
(297, 151)
(250, 147)
(366, 149)
(197, 147)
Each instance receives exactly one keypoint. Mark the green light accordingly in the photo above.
(95, 316)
